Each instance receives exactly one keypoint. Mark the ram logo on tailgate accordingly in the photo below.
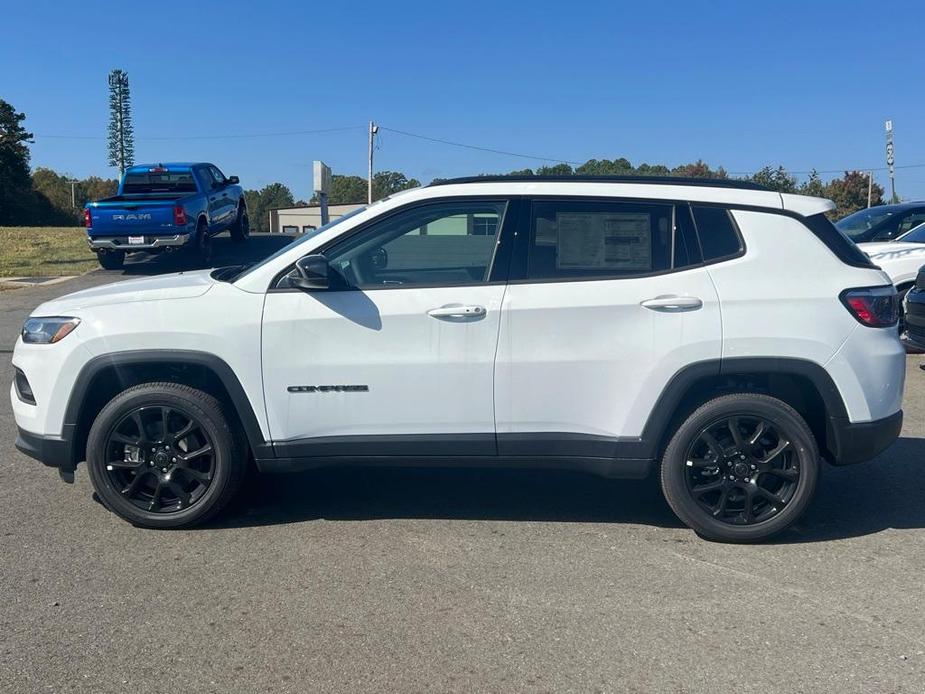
(128, 217)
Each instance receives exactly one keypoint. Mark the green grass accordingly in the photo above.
(44, 251)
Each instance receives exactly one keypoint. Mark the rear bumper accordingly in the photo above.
(854, 442)
(120, 243)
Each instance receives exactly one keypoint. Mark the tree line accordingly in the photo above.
(45, 197)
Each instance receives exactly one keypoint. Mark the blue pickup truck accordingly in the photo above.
(166, 207)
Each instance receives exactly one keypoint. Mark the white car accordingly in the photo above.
(900, 259)
(612, 326)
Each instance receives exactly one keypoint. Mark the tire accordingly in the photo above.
(111, 260)
(160, 482)
(202, 247)
(241, 229)
(728, 501)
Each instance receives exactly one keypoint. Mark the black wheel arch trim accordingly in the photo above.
(658, 427)
(127, 359)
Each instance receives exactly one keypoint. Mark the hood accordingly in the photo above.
(890, 249)
(182, 285)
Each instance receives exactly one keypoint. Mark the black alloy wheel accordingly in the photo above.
(241, 229)
(163, 455)
(160, 458)
(204, 246)
(741, 468)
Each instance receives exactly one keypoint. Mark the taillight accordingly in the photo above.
(875, 307)
(88, 222)
(179, 216)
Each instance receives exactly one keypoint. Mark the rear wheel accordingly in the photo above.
(241, 229)
(111, 260)
(741, 468)
(162, 455)
(203, 246)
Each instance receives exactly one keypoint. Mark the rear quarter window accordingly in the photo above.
(719, 237)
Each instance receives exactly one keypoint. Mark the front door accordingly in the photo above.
(609, 301)
(397, 357)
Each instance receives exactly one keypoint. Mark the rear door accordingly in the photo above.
(608, 300)
(226, 202)
(214, 199)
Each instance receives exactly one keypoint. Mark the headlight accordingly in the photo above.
(44, 331)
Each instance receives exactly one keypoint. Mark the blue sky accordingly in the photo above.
(741, 84)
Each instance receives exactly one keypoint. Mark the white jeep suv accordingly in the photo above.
(722, 332)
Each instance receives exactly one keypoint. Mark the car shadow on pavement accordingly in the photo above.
(885, 493)
(224, 252)
(856, 500)
(370, 493)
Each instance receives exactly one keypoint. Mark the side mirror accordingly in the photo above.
(233, 180)
(311, 273)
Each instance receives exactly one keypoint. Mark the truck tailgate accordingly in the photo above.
(130, 217)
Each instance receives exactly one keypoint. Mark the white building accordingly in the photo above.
(302, 219)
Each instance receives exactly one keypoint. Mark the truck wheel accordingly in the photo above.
(741, 468)
(111, 260)
(162, 455)
(241, 229)
(203, 246)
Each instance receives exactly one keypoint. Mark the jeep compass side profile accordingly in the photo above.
(726, 335)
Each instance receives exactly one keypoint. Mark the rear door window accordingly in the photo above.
(608, 239)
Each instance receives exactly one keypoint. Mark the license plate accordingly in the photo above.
(136, 240)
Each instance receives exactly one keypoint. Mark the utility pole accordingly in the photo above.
(870, 186)
(373, 129)
(73, 194)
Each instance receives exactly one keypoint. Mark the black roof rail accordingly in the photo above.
(652, 180)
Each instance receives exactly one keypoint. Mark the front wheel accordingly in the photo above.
(741, 468)
(162, 455)
(241, 229)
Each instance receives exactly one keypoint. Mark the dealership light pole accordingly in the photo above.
(373, 129)
(889, 159)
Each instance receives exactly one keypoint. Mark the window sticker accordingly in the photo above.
(547, 232)
(612, 241)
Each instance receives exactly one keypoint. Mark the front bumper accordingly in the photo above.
(915, 316)
(854, 442)
(120, 243)
(49, 450)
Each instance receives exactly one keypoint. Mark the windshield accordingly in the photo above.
(854, 225)
(914, 235)
(305, 237)
(166, 182)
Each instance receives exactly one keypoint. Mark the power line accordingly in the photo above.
(213, 137)
(480, 149)
(451, 143)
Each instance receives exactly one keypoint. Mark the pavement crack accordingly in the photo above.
(805, 596)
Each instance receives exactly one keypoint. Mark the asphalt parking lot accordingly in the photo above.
(459, 580)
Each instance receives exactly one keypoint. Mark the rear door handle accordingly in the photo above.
(457, 311)
(670, 303)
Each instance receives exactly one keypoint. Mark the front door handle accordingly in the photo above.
(457, 311)
(670, 303)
